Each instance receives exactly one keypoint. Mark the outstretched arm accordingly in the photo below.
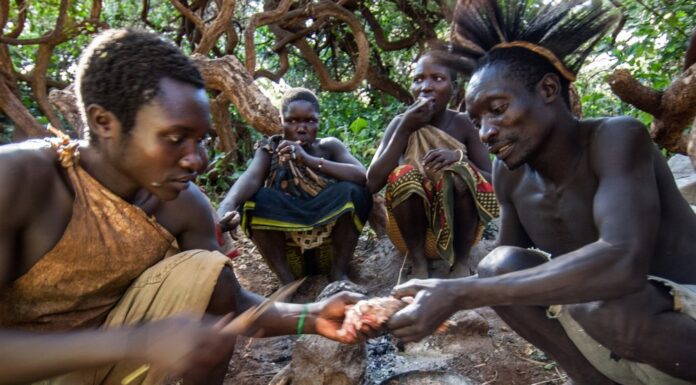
(614, 265)
(175, 346)
(246, 186)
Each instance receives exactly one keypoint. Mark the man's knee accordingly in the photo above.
(506, 259)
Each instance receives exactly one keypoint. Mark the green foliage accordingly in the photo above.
(357, 120)
(651, 47)
(220, 175)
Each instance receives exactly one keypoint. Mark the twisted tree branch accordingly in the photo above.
(258, 20)
(382, 41)
(228, 75)
(212, 33)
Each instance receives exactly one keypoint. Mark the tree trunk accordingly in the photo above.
(15, 110)
(219, 108)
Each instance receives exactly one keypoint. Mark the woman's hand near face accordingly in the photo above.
(289, 150)
(418, 114)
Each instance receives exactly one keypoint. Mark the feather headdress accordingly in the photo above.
(563, 32)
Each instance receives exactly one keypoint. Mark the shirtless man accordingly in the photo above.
(597, 196)
(425, 212)
(83, 234)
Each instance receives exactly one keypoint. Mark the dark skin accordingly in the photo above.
(599, 197)
(300, 122)
(433, 87)
(152, 167)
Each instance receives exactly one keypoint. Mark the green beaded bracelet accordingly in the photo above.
(300, 322)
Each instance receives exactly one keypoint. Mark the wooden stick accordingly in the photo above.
(238, 325)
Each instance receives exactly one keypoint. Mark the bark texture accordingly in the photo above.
(673, 109)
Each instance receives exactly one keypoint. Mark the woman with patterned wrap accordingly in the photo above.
(300, 193)
(437, 174)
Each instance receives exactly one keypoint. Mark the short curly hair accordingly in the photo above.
(121, 70)
(298, 93)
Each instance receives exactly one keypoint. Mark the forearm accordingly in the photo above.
(387, 161)
(284, 319)
(594, 272)
(341, 171)
(280, 319)
(240, 192)
(27, 357)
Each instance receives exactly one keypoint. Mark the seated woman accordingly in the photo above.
(437, 173)
(301, 193)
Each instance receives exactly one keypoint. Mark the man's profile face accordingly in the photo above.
(300, 122)
(164, 150)
(507, 114)
(432, 80)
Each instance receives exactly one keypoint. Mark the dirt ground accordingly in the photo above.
(481, 348)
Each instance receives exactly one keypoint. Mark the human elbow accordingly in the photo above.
(361, 179)
(630, 267)
(372, 183)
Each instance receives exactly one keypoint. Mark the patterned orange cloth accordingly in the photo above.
(437, 192)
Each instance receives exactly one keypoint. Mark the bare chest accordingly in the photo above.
(558, 219)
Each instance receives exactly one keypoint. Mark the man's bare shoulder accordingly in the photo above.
(613, 129)
(27, 165)
(28, 173)
(618, 138)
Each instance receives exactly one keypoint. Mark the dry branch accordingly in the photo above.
(65, 101)
(673, 109)
(360, 59)
(382, 41)
(258, 20)
(228, 75)
(13, 108)
(212, 33)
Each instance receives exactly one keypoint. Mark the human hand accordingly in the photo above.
(439, 158)
(182, 345)
(330, 314)
(435, 300)
(229, 222)
(418, 114)
(289, 150)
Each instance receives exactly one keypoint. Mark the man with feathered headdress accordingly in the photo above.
(594, 195)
